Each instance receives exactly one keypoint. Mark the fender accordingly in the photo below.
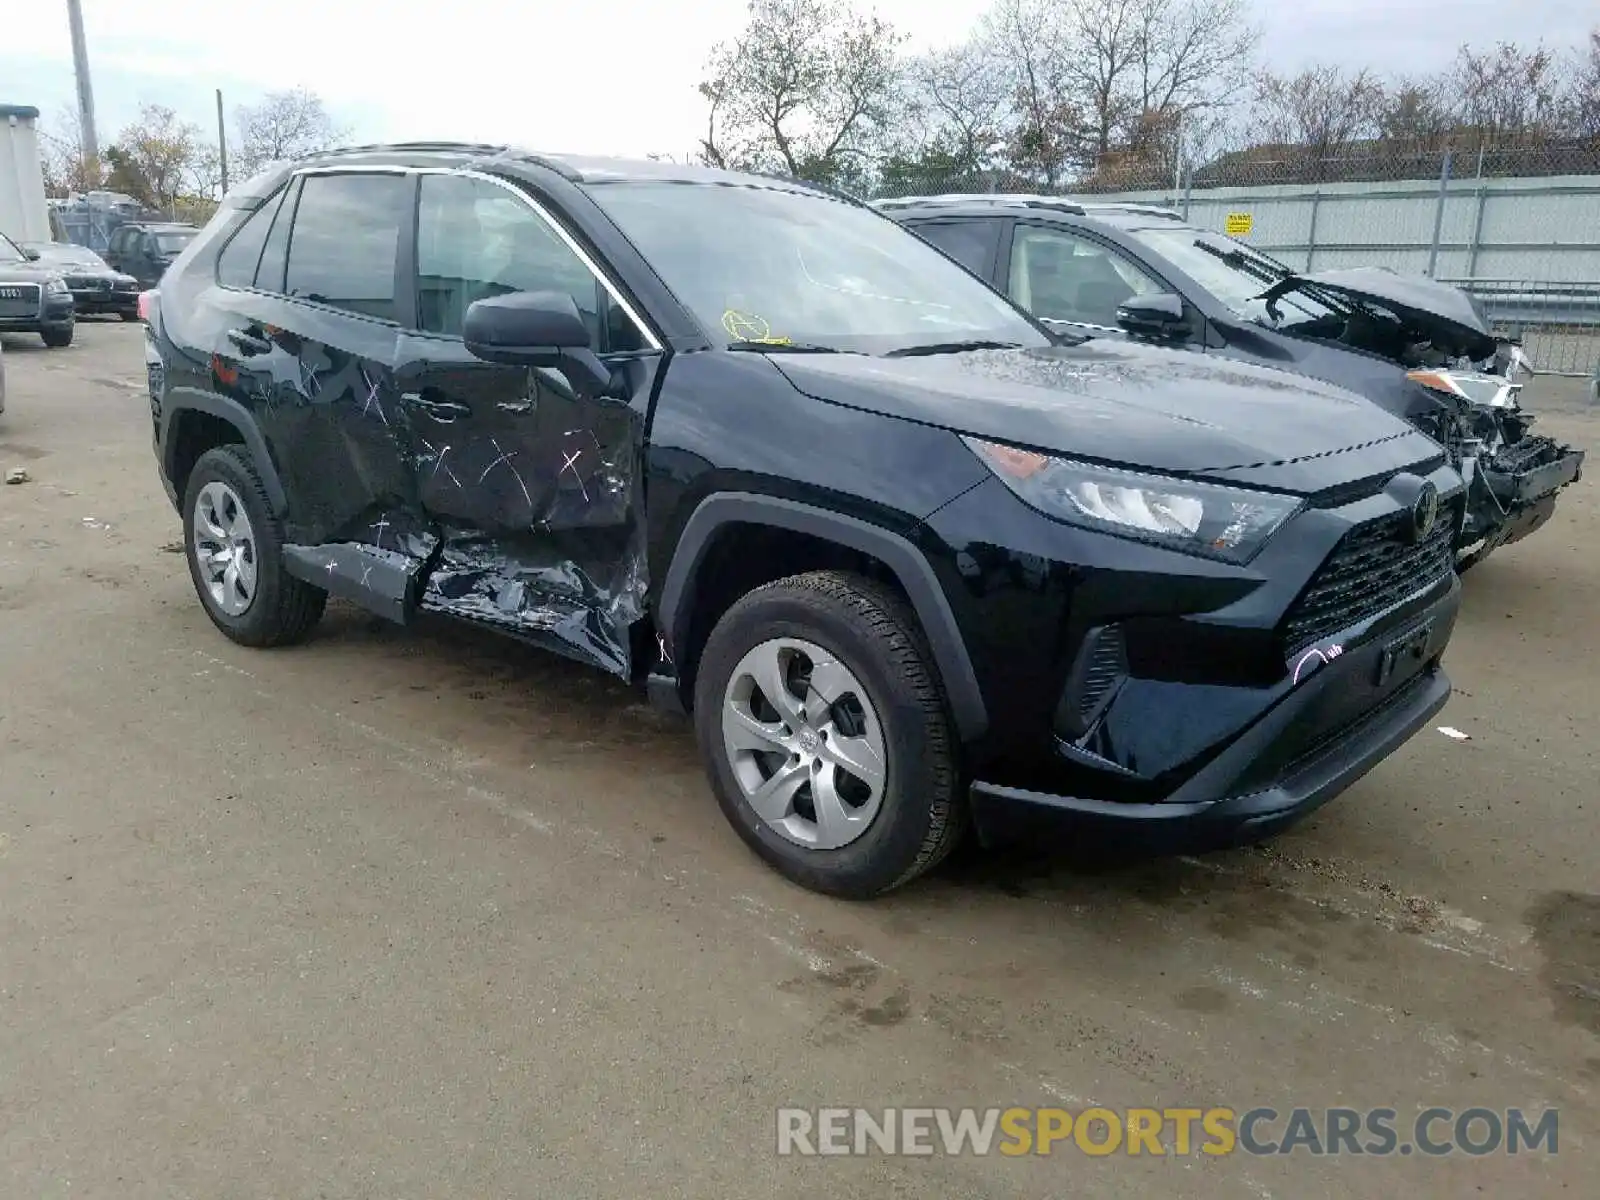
(235, 414)
(909, 565)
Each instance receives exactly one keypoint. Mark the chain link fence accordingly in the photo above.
(1518, 227)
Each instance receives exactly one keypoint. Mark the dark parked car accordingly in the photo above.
(33, 296)
(1421, 349)
(755, 447)
(146, 249)
(95, 287)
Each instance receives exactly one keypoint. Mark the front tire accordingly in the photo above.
(234, 545)
(57, 339)
(825, 735)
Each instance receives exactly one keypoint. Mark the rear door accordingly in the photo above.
(972, 242)
(532, 485)
(314, 309)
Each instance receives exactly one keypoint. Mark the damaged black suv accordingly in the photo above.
(912, 566)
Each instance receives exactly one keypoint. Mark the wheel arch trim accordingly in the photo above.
(234, 414)
(909, 565)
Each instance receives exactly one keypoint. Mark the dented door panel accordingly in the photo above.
(534, 491)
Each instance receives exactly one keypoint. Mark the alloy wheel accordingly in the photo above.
(805, 743)
(225, 548)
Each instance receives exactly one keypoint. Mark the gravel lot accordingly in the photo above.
(408, 913)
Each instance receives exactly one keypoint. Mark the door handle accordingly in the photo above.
(431, 403)
(249, 343)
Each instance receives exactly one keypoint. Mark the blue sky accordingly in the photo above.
(547, 74)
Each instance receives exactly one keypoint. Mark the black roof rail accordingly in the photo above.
(498, 150)
(999, 198)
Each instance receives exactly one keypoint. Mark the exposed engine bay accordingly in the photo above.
(1469, 382)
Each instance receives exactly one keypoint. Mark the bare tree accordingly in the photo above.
(808, 88)
(959, 100)
(284, 125)
(1322, 109)
(1046, 127)
(1415, 116)
(1192, 54)
(1507, 95)
(152, 156)
(1583, 96)
(61, 147)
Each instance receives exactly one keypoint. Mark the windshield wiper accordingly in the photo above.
(1249, 266)
(758, 346)
(950, 348)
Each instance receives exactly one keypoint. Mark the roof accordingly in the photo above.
(579, 168)
(25, 112)
(968, 205)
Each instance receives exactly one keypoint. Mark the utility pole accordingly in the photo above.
(222, 143)
(80, 64)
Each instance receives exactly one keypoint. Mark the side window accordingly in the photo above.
(149, 245)
(275, 254)
(970, 243)
(236, 265)
(477, 239)
(114, 246)
(1064, 278)
(345, 237)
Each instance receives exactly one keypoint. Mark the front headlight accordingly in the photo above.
(1198, 518)
(1490, 391)
(57, 286)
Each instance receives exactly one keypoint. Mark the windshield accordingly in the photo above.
(1234, 273)
(171, 243)
(767, 265)
(9, 252)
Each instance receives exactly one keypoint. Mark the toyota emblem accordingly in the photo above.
(1424, 512)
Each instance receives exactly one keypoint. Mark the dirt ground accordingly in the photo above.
(418, 912)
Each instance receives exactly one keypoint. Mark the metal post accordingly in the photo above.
(222, 143)
(80, 66)
(1311, 234)
(1438, 215)
(1188, 187)
(1477, 220)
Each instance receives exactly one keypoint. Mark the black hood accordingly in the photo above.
(1446, 314)
(1135, 406)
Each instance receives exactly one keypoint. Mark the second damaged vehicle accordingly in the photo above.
(1421, 349)
(912, 567)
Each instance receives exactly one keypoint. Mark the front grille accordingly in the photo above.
(19, 299)
(1372, 568)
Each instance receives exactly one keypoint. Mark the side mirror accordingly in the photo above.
(1157, 316)
(31, 254)
(536, 329)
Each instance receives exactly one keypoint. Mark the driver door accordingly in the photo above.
(1073, 283)
(532, 485)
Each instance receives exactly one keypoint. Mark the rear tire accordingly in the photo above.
(129, 316)
(242, 583)
(881, 666)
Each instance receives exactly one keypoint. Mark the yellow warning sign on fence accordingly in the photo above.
(1238, 224)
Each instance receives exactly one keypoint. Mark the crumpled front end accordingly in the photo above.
(1513, 475)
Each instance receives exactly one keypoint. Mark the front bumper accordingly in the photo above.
(55, 311)
(105, 300)
(1225, 803)
(1513, 494)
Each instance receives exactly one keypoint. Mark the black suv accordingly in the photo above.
(754, 446)
(34, 298)
(1421, 349)
(145, 249)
